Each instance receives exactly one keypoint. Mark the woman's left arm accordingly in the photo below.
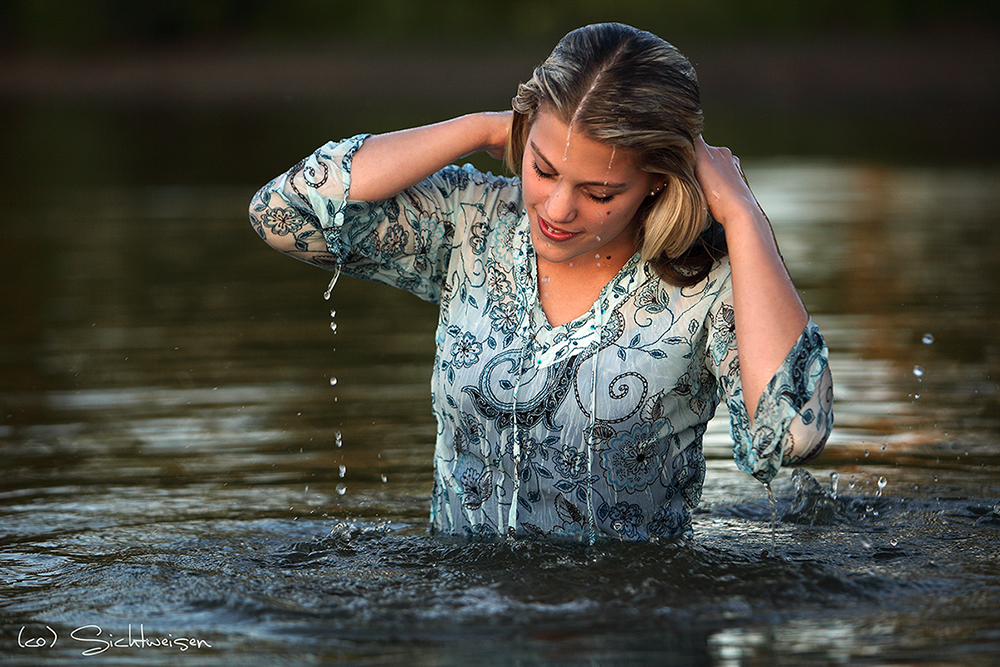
(770, 316)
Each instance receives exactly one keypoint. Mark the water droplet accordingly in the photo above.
(774, 519)
(333, 282)
(333, 381)
(833, 484)
(882, 481)
(341, 489)
(545, 280)
(928, 339)
(598, 238)
(333, 313)
(384, 479)
(333, 327)
(893, 542)
(343, 470)
(866, 453)
(339, 439)
(918, 371)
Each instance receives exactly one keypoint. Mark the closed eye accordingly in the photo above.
(539, 172)
(547, 175)
(601, 200)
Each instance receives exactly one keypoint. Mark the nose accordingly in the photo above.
(559, 204)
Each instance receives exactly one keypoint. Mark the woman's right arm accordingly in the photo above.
(287, 211)
(387, 164)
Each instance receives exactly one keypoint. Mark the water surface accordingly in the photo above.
(180, 465)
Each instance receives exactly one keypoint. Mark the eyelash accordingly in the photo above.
(542, 174)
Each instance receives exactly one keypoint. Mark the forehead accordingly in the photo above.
(570, 151)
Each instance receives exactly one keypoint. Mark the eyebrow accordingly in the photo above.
(601, 184)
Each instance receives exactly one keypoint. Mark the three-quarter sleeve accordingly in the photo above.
(405, 241)
(794, 414)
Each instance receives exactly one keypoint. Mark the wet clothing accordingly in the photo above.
(587, 430)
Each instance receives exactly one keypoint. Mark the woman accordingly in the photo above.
(594, 311)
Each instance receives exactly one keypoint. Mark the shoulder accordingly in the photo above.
(466, 177)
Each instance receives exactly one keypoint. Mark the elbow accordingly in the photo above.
(275, 222)
(808, 446)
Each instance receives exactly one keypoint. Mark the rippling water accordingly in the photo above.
(182, 473)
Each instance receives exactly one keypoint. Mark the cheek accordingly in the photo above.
(532, 190)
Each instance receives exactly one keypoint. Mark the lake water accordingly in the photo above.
(197, 464)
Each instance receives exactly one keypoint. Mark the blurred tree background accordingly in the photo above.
(101, 24)
(153, 91)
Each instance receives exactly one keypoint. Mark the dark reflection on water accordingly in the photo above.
(176, 455)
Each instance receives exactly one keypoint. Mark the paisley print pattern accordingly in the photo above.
(590, 430)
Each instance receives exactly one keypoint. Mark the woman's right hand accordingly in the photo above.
(497, 127)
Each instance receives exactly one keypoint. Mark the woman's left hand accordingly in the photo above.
(722, 180)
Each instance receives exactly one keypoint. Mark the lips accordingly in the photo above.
(553, 234)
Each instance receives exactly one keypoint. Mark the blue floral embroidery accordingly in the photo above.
(466, 350)
(633, 460)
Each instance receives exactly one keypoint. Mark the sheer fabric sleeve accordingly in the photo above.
(404, 241)
(794, 414)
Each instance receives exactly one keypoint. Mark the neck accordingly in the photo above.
(567, 290)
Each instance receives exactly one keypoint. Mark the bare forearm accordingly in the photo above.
(770, 316)
(389, 163)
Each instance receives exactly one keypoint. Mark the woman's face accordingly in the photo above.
(581, 195)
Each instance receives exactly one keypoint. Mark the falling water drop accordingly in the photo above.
(384, 479)
(918, 371)
(333, 282)
(333, 313)
(882, 481)
(928, 339)
(339, 439)
(333, 327)
(333, 382)
(341, 489)
(833, 484)
(774, 519)
(343, 470)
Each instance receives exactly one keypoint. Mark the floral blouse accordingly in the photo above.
(584, 431)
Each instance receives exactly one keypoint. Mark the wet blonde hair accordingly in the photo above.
(634, 91)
